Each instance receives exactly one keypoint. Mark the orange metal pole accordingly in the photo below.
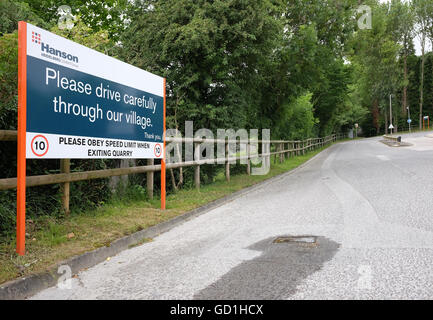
(163, 158)
(21, 148)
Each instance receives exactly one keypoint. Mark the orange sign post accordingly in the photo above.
(163, 190)
(21, 149)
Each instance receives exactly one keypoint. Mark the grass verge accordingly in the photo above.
(51, 240)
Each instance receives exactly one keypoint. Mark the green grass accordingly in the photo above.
(48, 243)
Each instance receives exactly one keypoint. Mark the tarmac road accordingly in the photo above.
(369, 206)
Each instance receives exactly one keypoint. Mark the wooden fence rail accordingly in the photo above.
(282, 149)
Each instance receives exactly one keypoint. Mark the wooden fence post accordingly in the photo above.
(149, 179)
(268, 152)
(278, 155)
(65, 167)
(282, 154)
(248, 159)
(227, 162)
(197, 167)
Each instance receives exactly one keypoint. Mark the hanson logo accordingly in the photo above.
(36, 38)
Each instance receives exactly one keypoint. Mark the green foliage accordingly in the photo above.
(107, 15)
(83, 34)
(298, 119)
(213, 55)
(352, 111)
(13, 11)
(378, 74)
(7, 211)
(9, 78)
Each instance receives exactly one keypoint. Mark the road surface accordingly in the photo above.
(369, 206)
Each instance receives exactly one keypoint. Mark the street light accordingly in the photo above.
(390, 113)
(409, 120)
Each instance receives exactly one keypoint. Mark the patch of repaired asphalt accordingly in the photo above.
(275, 274)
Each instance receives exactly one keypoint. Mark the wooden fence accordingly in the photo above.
(281, 149)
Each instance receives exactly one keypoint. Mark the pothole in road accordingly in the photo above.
(276, 273)
(296, 239)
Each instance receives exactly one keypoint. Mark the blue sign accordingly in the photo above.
(409, 121)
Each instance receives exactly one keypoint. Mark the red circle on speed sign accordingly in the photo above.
(40, 145)
(157, 150)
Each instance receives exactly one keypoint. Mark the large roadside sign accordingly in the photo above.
(83, 104)
(74, 102)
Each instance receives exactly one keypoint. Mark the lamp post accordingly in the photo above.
(390, 113)
(409, 120)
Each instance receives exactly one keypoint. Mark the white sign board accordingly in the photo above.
(81, 103)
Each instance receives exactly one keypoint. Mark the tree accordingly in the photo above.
(401, 25)
(213, 54)
(375, 55)
(297, 121)
(84, 35)
(11, 12)
(421, 8)
(322, 65)
(8, 82)
(352, 111)
(108, 15)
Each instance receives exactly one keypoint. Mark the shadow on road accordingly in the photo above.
(275, 274)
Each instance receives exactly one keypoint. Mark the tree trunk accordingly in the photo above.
(395, 122)
(386, 121)
(404, 107)
(375, 111)
(421, 89)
